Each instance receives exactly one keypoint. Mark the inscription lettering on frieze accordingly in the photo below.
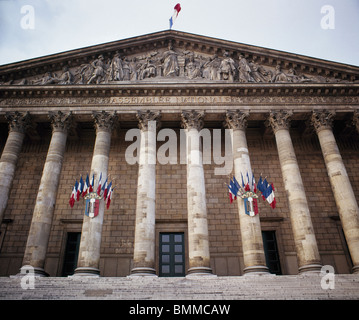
(173, 100)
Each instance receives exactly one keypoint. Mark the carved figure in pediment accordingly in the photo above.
(193, 68)
(259, 73)
(98, 73)
(294, 77)
(227, 68)
(83, 73)
(244, 70)
(126, 69)
(279, 75)
(147, 70)
(48, 78)
(116, 68)
(66, 77)
(211, 68)
(170, 62)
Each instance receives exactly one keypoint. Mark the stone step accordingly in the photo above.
(189, 288)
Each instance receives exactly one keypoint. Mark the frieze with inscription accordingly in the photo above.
(179, 100)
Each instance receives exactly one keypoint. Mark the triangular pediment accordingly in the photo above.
(172, 56)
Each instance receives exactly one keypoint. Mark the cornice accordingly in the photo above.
(185, 88)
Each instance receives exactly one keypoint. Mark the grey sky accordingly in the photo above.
(286, 25)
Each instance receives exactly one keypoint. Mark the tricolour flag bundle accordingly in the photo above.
(177, 9)
(82, 187)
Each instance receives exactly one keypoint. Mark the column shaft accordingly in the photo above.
(303, 231)
(8, 161)
(144, 248)
(198, 242)
(90, 244)
(251, 233)
(343, 192)
(38, 238)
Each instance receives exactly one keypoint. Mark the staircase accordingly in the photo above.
(249, 287)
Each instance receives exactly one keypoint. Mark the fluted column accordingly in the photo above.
(144, 247)
(251, 233)
(339, 181)
(38, 238)
(198, 243)
(303, 231)
(90, 244)
(18, 122)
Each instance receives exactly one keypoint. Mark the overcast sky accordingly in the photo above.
(33, 28)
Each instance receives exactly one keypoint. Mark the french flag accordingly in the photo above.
(175, 14)
(92, 183)
(80, 189)
(99, 185)
(109, 196)
(73, 194)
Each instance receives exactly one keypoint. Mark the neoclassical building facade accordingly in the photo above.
(169, 117)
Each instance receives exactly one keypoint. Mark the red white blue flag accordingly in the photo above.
(80, 188)
(109, 197)
(73, 194)
(177, 9)
(267, 191)
(99, 185)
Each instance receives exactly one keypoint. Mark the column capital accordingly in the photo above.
(236, 120)
(60, 121)
(104, 121)
(18, 121)
(144, 117)
(279, 120)
(192, 119)
(322, 119)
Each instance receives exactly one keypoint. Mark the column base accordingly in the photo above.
(310, 268)
(355, 270)
(200, 271)
(86, 272)
(143, 272)
(256, 271)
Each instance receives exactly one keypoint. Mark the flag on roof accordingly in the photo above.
(177, 9)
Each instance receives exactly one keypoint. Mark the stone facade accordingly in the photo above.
(292, 118)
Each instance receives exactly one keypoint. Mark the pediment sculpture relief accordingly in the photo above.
(170, 64)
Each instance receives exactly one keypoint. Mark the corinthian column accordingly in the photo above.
(303, 231)
(144, 248)
(18, 123)
(198, 244)
(251, 233)
(38, 238)
(90, 244)
(339, 181)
